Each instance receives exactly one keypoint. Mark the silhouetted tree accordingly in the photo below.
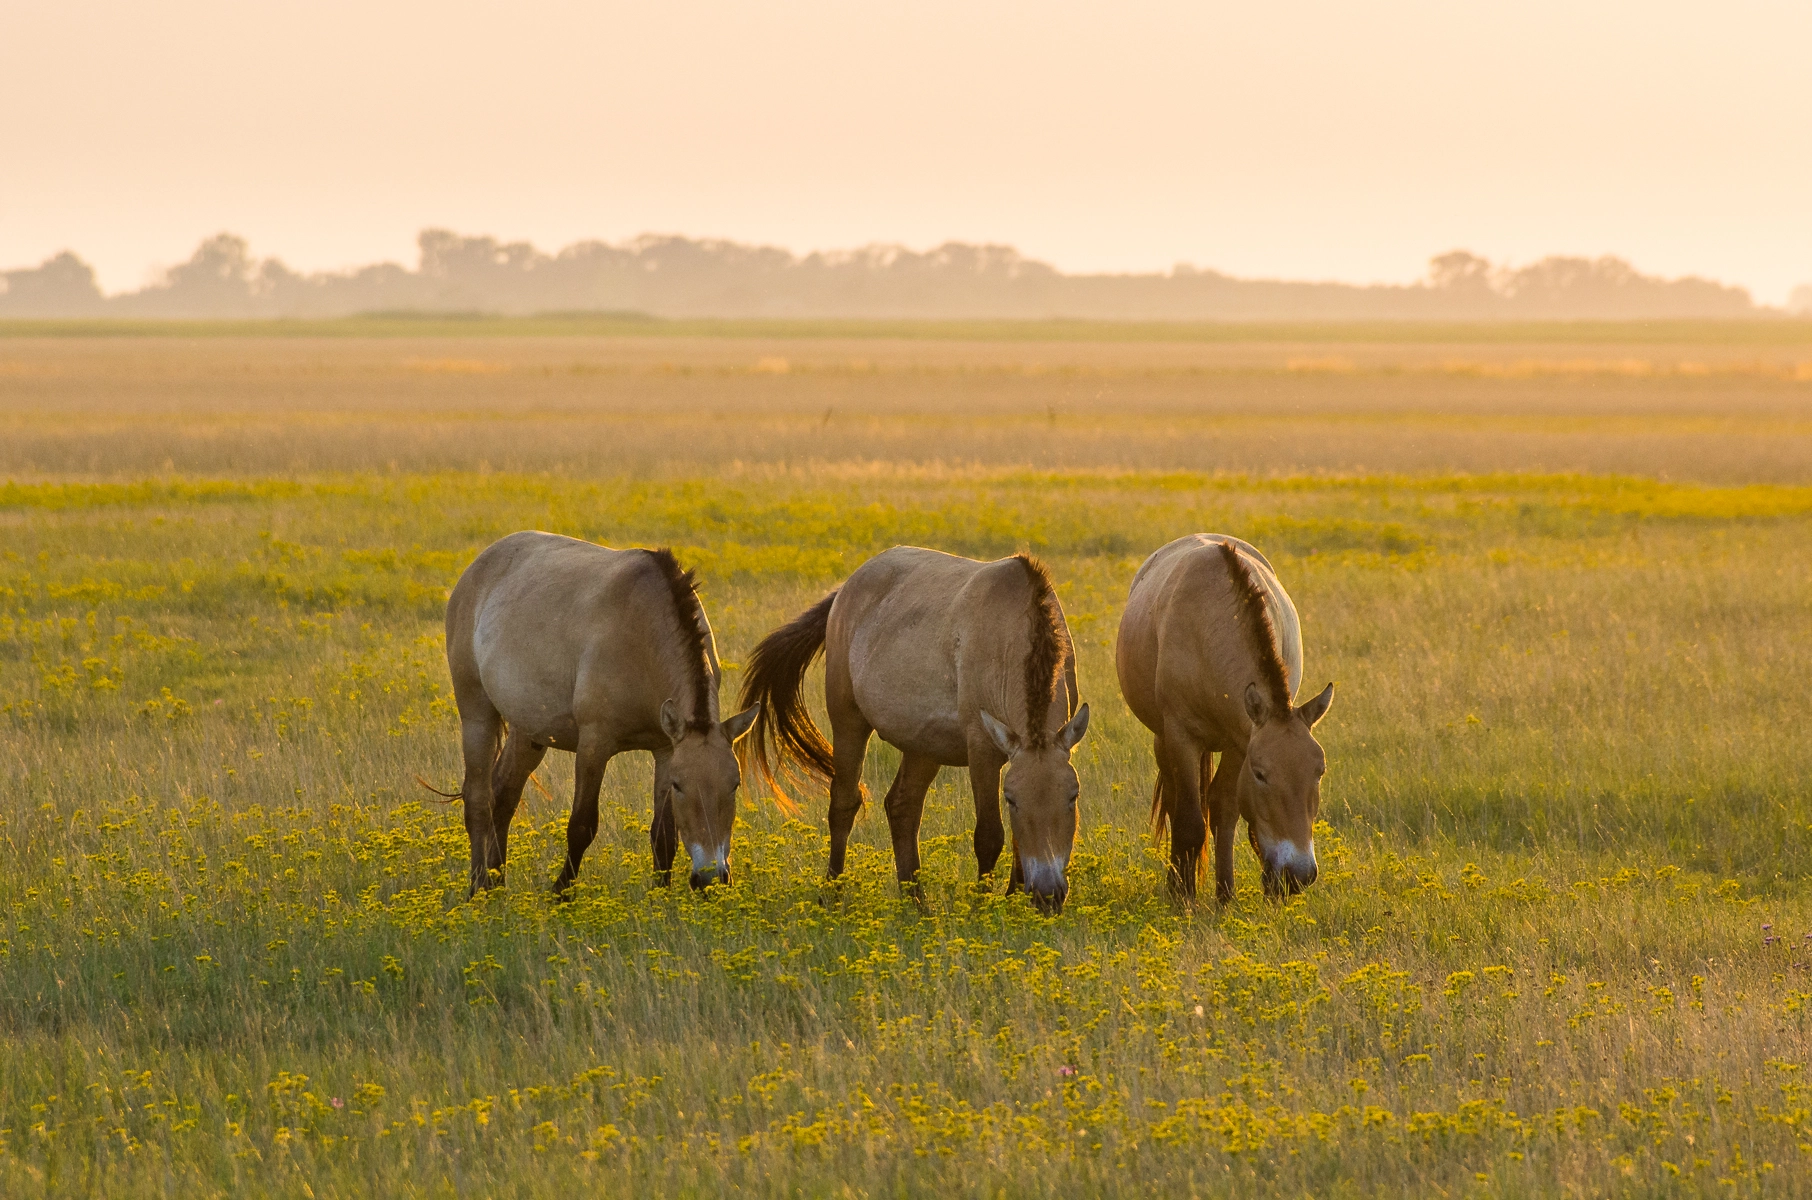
(1575, 288)
(675, 276)
(61, 286)
(1460, 271)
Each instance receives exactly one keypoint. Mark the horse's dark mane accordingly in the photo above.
(682, 585)
(1261, 634)
(1048, 647)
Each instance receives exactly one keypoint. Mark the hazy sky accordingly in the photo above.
(1295, 139)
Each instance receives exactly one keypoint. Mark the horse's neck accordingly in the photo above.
(681, 680)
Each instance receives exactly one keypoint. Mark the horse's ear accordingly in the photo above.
(1255, 704)
(1002, 736)
(1070, 734)
(1317, 708)
(671, 724)
(739, 724)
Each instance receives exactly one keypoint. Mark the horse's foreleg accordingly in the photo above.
(519, 759)
(905, 805)
(588, 776)
(1182, 770)
(663, 838)
(984, 785)
(479, 731)
(1223, 818)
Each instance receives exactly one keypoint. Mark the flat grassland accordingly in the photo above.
(1562, 943)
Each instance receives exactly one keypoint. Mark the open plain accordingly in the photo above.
(1562, 940)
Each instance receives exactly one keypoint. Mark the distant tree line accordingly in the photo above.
(682, 277)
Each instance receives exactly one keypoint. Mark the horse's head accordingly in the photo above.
(1280, 788)
(702, 778)
(1041, 790)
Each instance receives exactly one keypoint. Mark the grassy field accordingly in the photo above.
(1562, 944)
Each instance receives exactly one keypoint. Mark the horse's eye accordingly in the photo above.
(1258, 775)
(1011, 802)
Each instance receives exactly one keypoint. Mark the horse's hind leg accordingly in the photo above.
(905, 805)
(480, 728)
(850, 747)
(850, 732)
(519, 759)
(588, 776)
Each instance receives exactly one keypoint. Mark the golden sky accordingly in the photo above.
(1296, 139)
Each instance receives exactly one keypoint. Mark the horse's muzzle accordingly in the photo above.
(701, 880)
(1050, 903)
(1046, 884)
(1288, 870)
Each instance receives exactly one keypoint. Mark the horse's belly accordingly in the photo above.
(937, 736)
(914, 717)
(536, 701)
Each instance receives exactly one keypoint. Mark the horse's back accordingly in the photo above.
(1171, 644)
(541, 580)
(530, 616)
(902, 623)
(900, 598)
(890, 635)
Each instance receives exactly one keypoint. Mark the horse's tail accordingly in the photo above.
(784, 729)
(1160, 806)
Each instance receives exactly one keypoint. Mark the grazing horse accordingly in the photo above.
(595, 651)
(1210, 657)
(956, 663)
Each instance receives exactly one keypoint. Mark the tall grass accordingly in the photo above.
(1557, 947)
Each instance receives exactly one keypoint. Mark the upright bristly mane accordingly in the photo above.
(1261, 634)
(689, 614)
(1045, 652)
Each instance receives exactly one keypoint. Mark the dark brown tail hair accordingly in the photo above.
(784, 729)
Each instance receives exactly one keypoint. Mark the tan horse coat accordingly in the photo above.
(596, 651)
(1210, 657)
(956, 663)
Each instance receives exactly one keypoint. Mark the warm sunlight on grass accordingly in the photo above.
(1560, 945)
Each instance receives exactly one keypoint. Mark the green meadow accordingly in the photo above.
(1561, 944)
